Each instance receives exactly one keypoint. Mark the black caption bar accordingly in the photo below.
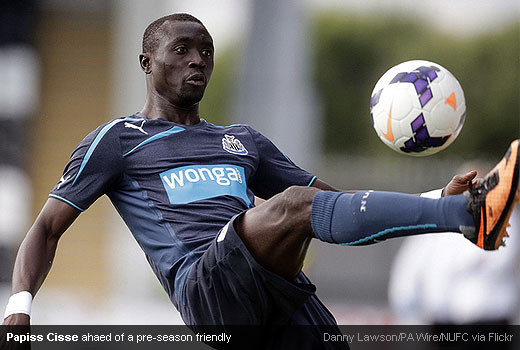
(249, 337)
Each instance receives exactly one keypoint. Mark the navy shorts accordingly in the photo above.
(226, 287)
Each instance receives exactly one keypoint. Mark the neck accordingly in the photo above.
(160, 108)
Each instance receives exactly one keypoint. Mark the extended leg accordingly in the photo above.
(278, 232)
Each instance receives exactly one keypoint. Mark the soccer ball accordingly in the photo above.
(417, 108)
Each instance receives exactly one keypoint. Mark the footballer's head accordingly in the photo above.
(177, 58)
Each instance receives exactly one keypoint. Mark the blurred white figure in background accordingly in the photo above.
(441, 279)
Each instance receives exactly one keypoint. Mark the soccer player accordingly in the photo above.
(186, 188)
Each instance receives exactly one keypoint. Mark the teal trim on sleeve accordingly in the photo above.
(66, 201)
(312, 181)
(96, 141)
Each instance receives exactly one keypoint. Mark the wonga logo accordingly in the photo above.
(195, 182)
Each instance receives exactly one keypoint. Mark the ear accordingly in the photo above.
(146, 63)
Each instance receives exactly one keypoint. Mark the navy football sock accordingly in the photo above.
(370, 216)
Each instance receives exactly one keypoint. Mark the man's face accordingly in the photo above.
(182, 63)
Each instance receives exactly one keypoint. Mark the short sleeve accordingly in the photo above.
(275, 171)
(94, 166)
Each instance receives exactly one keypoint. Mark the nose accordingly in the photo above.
(196, 61)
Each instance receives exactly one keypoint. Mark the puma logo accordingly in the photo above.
(133, 126)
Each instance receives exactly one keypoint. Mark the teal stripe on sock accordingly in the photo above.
(390, 230)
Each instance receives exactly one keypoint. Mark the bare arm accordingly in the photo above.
(36, 253)
(325, 186)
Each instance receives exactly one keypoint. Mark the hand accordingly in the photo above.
(17, 320)
(460, 183)
(17, 324)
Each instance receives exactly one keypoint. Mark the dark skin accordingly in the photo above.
(177, 73)
(277, 232)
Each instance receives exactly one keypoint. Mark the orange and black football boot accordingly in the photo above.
(492, 201)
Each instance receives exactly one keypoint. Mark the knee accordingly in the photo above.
(297, 200)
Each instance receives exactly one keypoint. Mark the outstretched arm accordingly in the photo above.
(36, 253)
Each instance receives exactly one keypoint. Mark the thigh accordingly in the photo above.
(278, 232)
(226, 286)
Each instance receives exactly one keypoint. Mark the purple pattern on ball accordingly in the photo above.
(422, 135)
(432, 74)
(421, 78)
(417, 123)
(422, 139)
(425, 97)
(461, 123)
(420, 85)
(375, 99)
(398, 77)
(409, 78)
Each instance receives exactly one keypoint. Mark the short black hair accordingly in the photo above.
(152, 33)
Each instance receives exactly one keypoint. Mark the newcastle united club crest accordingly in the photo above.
(232, 145)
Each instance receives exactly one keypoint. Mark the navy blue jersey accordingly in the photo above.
(175, 185)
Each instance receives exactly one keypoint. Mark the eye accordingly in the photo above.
(180, 49)
(207, 52)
